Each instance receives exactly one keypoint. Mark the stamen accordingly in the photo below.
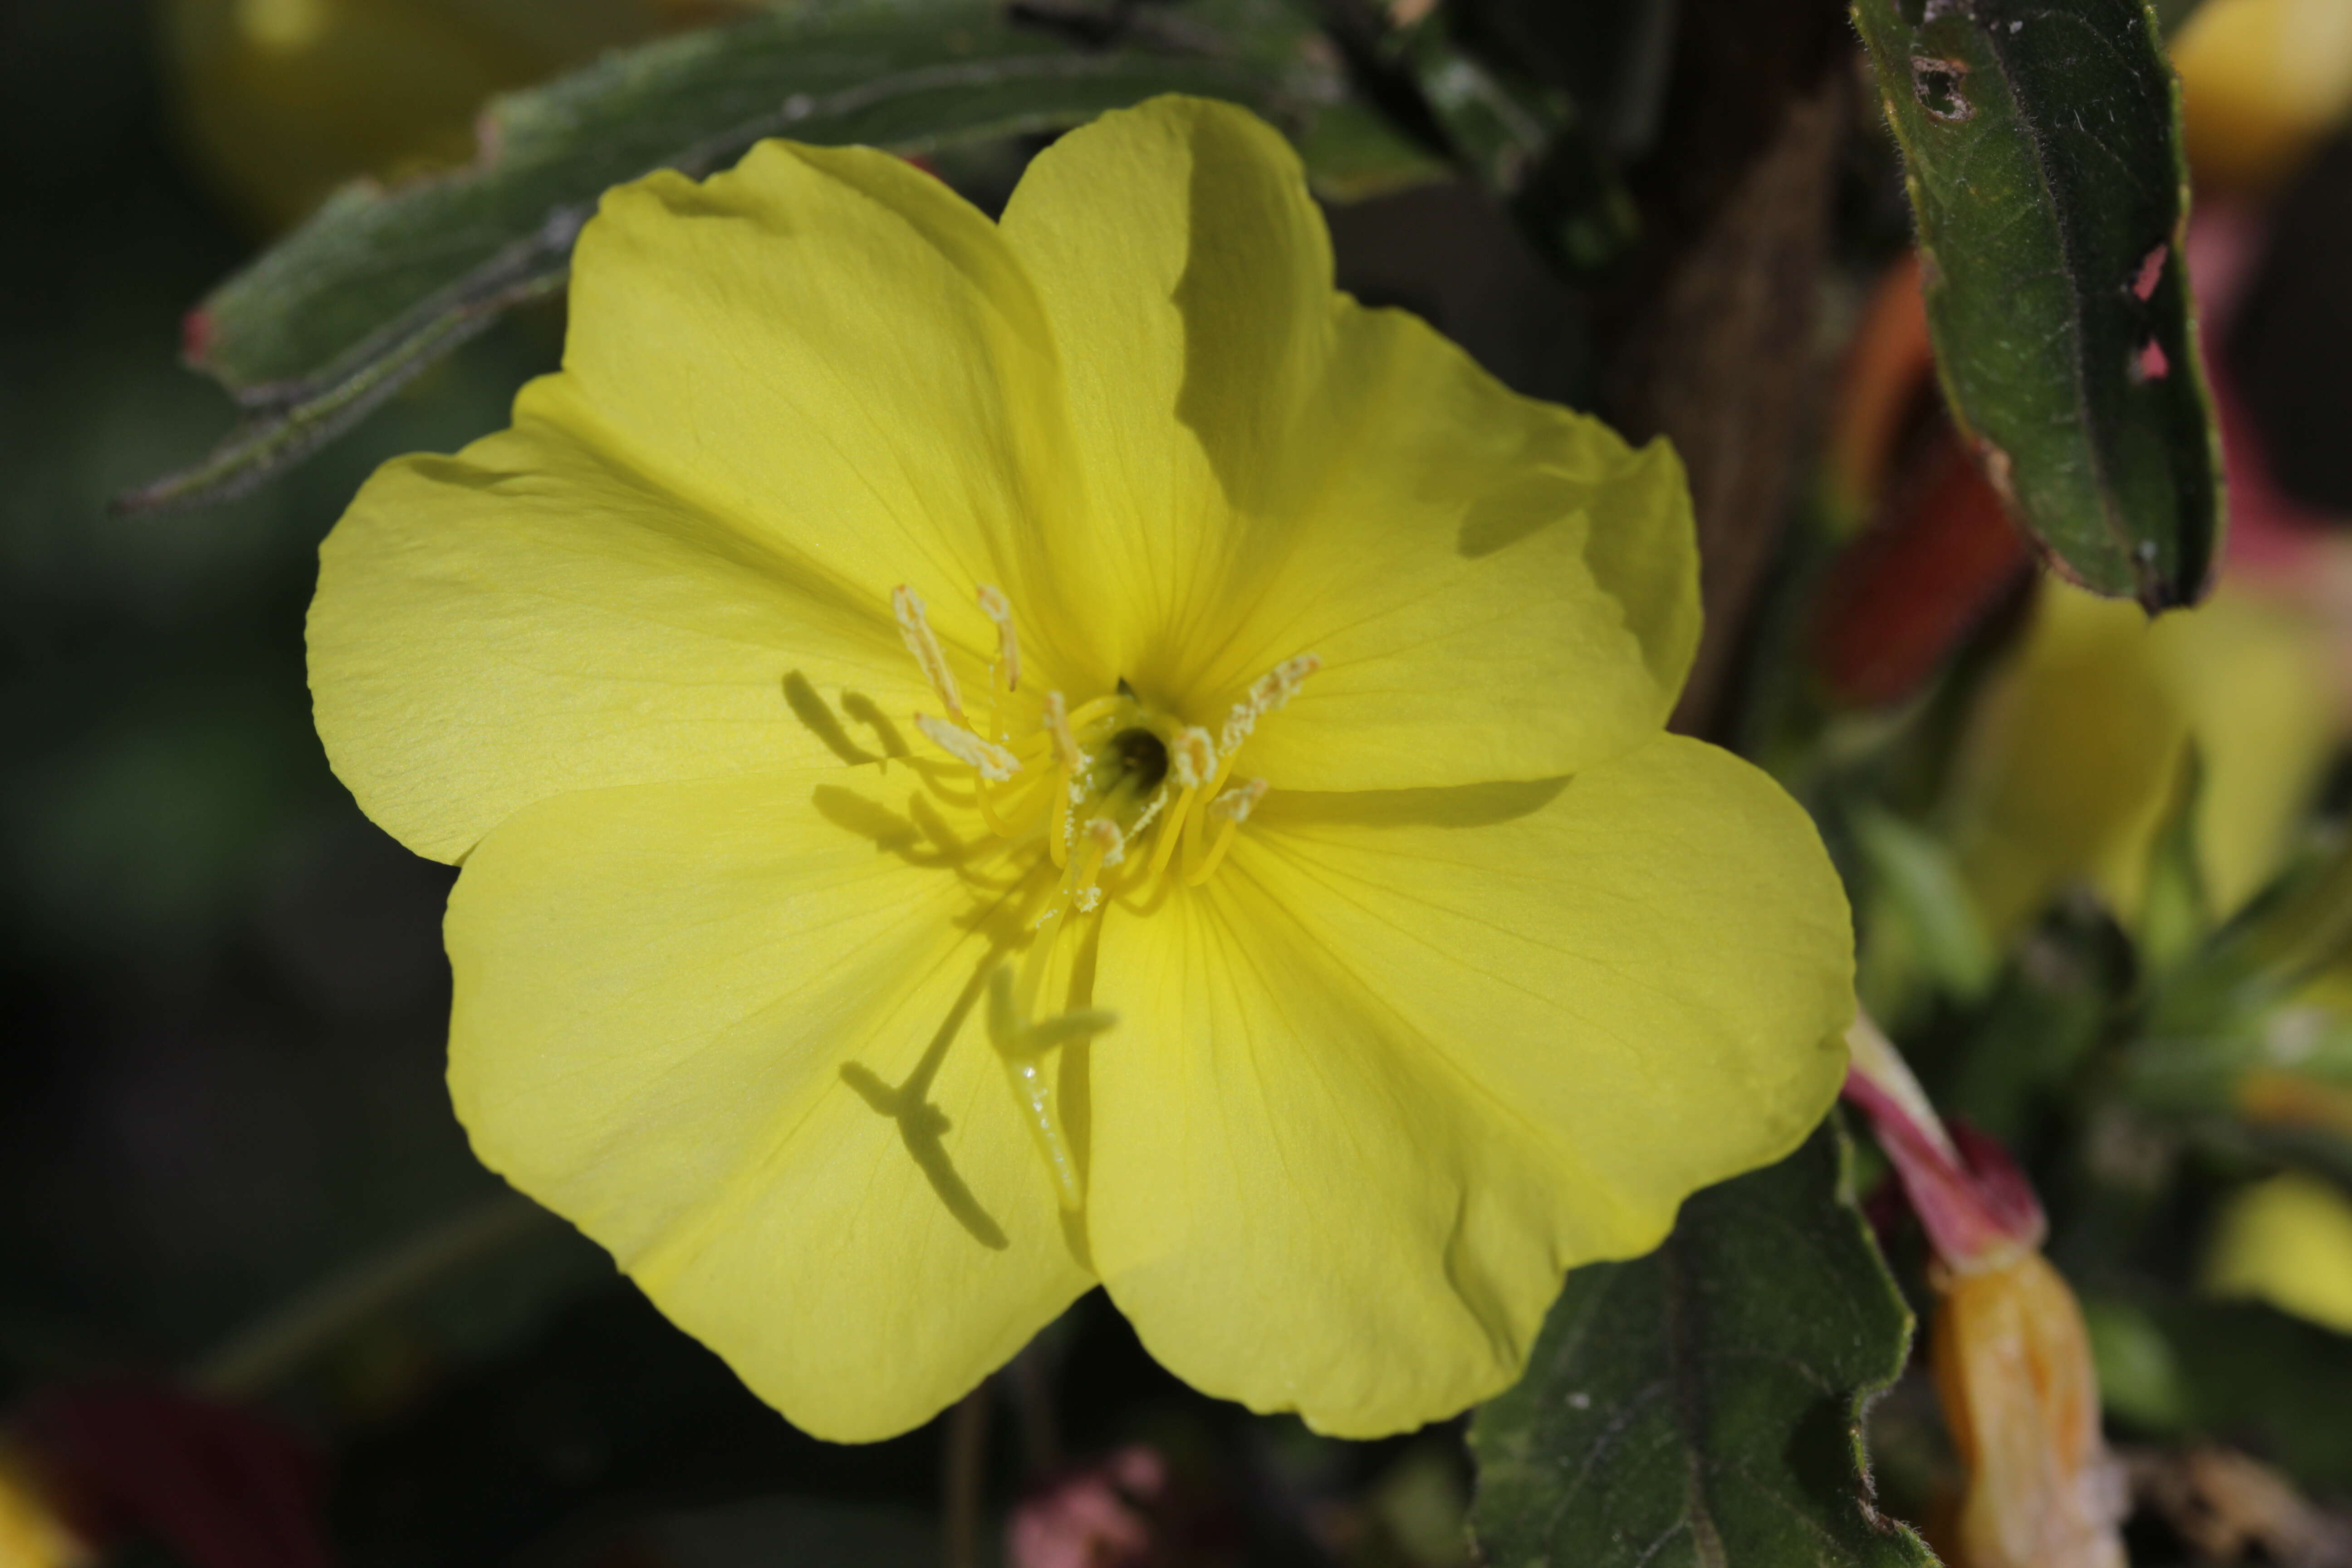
(1172, 831)
(1236, 803)
(990, 761)
(1151, 812)
(1231, 809)
(1193, 758)
(1271, 691)
(1023, 810)
(1087, 714)
(1067, 756)
(924, 644)
(1280, 684)
(1103, 847)
(998, 608)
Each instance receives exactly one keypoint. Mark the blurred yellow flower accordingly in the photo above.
(285, 99)
(2261, 83)
(991, 758)
(2287, 1241)
(2077, 748)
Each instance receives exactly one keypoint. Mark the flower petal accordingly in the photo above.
(1499, 588)
(787, 389)
(527, 620)
(727, 1028)
(1412, 1054)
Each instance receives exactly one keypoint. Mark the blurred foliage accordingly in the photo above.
(382, 281)
(283, 101)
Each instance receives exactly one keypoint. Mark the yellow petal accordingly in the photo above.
(788, 390)
(2261, 83)
(1409, 1055)
(527, 620)
(2287, 1241)
(1499, 588)
(835, 348)
(2073, 755)
(728, 1029)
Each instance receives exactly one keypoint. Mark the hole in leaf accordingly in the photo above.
(1939, 85)
(2151, 273)
(2151, 364)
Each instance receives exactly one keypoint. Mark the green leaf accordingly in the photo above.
(2283, 937)
(2042, 149)
(1914, 881)
(383, 282)
(1702, 1405)
(2008, 1064)
(1525, 142)
(2177, 911)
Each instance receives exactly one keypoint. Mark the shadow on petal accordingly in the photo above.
(923, 1126)
(815, 717)
(1459, 806)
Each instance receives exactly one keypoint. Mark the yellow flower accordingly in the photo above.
(2287, 1241)
(2073, 758)
(991, 758)
(2262, 82)
(282, 101)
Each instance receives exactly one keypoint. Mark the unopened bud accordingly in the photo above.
(2014, 1371)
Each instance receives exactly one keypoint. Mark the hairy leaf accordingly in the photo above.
(2041, 148)
(381, 283)
(1702, 1405)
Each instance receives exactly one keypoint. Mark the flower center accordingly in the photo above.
(1120, 795)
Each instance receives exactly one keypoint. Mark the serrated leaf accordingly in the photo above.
(2042, 149)
(1702, 1405)
(381, 283)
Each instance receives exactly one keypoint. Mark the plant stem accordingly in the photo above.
(965, 1471)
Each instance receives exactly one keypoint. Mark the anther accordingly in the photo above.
(1193, 758)
(924, 644)
(1236, 803)
(1272, 691)
(990, 761)
(998, 608)
(1067, 756)
(1281, 683)
(1104, 835)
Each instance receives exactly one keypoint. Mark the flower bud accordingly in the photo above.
(2014, 1371)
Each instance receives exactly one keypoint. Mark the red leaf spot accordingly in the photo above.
(195, 337)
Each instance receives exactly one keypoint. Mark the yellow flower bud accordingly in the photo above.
(2013, 1367)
